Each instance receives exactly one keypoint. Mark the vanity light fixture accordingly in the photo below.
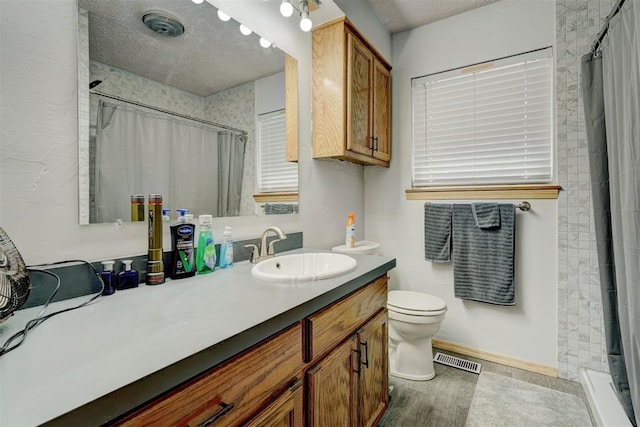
(305, 21)
(223, 16)
(197, 1)
(264, 42)
(286, 8)
(245, 30)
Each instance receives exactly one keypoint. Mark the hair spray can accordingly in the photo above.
(155, 266)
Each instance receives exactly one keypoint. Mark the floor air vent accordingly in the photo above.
(457, 362)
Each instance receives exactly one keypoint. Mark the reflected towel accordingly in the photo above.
(486, 215)
(280, 208)
(483, 258)
(437, 232)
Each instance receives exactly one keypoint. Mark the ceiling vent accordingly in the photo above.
(163, 24)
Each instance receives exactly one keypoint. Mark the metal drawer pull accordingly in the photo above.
(357, 370)
(226, 408)
(366, 354)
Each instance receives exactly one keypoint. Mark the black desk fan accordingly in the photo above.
(14, 279)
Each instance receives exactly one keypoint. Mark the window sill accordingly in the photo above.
(546, 191)
(275, 197)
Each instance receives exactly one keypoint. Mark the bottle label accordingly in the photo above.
(209, 256)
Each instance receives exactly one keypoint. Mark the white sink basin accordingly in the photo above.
(303, 267)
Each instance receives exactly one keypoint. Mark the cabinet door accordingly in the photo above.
(359, 103)
(374, 391)
(381, 112)
(285, 411)
(333, 387)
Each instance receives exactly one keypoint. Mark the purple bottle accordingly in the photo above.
(127, 278)
(108, 277)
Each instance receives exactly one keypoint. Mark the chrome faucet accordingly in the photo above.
(265, 251)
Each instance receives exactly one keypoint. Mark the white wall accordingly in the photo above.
(270, 94)
(38, 143)
(528, 330)
(362, 16)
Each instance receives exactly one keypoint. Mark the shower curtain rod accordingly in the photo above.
(183, 116)
(605, 28)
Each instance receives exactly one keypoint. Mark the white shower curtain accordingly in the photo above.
(141, 152)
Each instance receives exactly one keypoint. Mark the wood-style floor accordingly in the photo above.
(444, 401)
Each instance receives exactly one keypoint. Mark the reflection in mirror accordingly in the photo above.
(173, 101)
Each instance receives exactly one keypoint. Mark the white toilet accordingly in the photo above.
(414, 318)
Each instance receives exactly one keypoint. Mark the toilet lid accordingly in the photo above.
(415, 302)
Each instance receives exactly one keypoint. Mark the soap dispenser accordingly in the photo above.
(108, 277)
(127, 278)
(226, 249)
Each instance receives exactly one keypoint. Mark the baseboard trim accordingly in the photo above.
(497, 358)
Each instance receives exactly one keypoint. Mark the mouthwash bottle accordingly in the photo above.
(206, 250)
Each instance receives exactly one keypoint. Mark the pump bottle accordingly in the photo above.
(182, 252)
(226, 249)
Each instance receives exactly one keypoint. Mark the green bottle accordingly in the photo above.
(206, 251)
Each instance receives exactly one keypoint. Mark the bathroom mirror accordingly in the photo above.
(169, 94)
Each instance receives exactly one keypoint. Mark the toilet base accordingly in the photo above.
(425, 377)
(411, 360)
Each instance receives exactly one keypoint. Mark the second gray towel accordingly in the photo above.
(486, 215)
(437, 232)
(483, 258)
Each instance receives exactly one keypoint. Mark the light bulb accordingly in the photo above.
(264, 42)
(305, 22)
(245, 30)
(197, 1)
(223, 16)
(286, 8)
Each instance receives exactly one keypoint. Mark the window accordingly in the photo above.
(491, 123)
(275, 174)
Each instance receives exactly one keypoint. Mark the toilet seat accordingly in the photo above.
(415, 303)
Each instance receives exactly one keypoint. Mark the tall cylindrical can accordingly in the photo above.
(155, 266)
(137, 208)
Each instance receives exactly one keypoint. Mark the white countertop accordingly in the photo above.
(79, 356)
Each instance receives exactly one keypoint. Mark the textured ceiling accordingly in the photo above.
(402, 15)
(209, 57)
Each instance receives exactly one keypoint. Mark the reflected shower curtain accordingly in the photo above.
(230, 166)
(611, 95)
(140, 152)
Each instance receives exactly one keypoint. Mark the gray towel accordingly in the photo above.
(437, 232)
(483, 257)
(280, 208)
(486, 215)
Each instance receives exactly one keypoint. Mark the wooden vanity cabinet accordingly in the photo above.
(349, 386)
(232, 392)
(329, 369)
(351, 103)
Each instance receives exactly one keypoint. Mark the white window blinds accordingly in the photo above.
(487, 124)
(275, 174)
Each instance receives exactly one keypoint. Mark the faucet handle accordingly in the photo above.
(254, 251)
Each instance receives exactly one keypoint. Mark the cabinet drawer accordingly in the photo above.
(328, 327)
(231, 392)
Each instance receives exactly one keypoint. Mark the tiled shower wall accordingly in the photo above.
(580, 325)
